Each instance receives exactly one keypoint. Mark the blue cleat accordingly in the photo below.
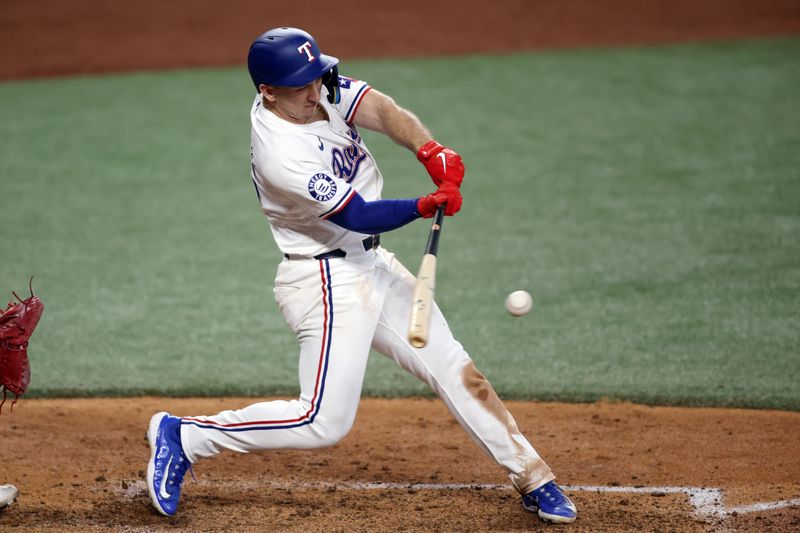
(551, 504)
(8, 495)
(167, 464)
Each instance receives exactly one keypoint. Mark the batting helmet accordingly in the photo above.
(287, 57)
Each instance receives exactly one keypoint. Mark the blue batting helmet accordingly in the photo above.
(287, 57)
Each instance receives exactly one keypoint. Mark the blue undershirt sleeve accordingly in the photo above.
(378, 216)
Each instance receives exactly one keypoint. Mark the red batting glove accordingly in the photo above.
(446, 194)
(442, 163)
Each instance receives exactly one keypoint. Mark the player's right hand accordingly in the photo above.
(442, 163)
(446, 194)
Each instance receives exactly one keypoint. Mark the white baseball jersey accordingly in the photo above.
(304, 173)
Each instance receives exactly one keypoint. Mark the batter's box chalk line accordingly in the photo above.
(706, 502)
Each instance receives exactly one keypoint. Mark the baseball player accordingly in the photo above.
(338, 289)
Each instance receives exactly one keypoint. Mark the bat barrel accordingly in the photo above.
(422, 303)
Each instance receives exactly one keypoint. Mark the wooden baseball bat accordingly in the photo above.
(422, 304)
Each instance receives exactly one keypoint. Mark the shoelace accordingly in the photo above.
(13, 403)
(556, 498)
(9, 346)
(178, 470)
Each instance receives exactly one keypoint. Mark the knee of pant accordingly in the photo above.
(332, 430)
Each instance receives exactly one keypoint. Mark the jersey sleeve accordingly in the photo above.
(305, 186)
(329, 195)
(352, 92)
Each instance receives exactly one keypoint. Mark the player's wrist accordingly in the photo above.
(428, 150)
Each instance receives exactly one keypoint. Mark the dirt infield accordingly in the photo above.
(63, 37)
(406, 466)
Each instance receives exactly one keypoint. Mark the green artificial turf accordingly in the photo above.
(648, 198)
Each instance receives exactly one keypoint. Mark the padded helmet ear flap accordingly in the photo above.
(331, 82)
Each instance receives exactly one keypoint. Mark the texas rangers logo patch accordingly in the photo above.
(322, 187)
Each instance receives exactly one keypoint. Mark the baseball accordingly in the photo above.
(519, 303)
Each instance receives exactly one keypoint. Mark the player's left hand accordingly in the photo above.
(447, 194)
(442, 163)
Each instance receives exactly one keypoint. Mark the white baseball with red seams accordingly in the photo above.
(341, 307)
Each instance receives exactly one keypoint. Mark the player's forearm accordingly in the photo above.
(380, 113)
(404, 128)
(378, 216)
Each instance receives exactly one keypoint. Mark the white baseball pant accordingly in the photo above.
(339, 308)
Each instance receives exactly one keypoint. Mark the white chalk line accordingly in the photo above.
(706, 502)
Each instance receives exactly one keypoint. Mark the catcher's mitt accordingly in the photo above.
(17, 323)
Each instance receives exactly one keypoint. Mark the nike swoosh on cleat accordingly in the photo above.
(164, 476)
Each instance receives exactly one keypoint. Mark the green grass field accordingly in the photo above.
(649, 199)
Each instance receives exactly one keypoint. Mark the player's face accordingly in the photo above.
(295, 104)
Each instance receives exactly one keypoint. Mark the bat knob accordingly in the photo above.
(418, 342)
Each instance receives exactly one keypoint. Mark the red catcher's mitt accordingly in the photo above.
(17, 323)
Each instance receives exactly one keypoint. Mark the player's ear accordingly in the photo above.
(268, 92)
